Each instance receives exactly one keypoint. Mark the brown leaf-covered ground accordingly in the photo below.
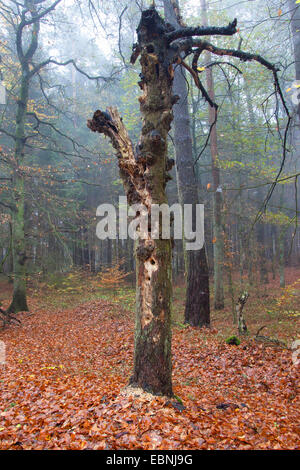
(63, 384)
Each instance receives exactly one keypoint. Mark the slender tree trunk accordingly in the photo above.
(109, 256)
(144, 174)
(242, 327)
(197, 310)
(282, 234)
(217, 190)
(251, 250)
(282, 256)
(260, 232)
(240, 234)
(229, 269)
(274, 242)
(260, 228)
(19, 301)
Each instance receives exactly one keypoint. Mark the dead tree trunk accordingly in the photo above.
(144, 176)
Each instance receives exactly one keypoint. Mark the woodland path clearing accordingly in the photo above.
(60, 388)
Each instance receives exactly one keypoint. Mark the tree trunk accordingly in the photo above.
(295, 30)
(295, 27)
(19, 301)
(274, 242)
(281, 242)
(197, 310)
(217, 190)
(144, 178)
(260, 233)
(281, 255)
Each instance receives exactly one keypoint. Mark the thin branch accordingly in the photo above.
(120, 27)
(41, 15)
(243, 188)
(38, 67)
(198, 83)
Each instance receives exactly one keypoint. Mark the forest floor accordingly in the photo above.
(62, 386)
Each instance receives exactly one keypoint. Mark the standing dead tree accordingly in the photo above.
(144, 171)
(242, 327)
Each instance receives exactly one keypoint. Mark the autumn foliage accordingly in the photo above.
(63, 384)
(112, 276)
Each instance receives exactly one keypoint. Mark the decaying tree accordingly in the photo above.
(242, 327)
(144, 171)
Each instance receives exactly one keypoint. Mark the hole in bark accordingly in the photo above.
(150, 48)
(152, 261)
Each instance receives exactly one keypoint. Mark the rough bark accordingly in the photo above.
(144, 177)
(197, 308)
(217, 190)
(19, 300)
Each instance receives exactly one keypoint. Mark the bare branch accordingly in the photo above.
(198, 83)
(120, 27)
(38, 67)
(229, 30)
(243, 56)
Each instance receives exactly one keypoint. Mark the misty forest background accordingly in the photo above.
(68, 171)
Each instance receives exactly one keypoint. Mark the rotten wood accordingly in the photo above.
(242, 327)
